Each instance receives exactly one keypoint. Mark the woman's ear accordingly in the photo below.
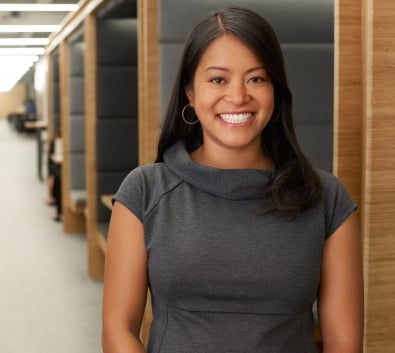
(190, 96)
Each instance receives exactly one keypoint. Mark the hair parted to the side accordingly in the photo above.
(295, 186)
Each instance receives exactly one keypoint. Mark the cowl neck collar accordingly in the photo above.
(233, 184)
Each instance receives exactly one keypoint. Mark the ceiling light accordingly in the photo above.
(29, 28)
(16, 59)
(10, 78)
(38, 7)
(23, 41)
(22, 51)
(12, 68)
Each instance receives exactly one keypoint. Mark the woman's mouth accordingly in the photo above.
(239, 118)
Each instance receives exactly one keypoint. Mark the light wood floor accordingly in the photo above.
(47, 302)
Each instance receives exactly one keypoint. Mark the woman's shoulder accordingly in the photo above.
(144, 186)
(333, 187)
(330, 182)
(150, 181)
(336, 202)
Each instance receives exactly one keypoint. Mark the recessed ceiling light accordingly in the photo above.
(22, 51)
(23, 41)
(29, 28)
(39, 7)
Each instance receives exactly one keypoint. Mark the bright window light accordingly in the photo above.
(29, 28)
(39, 7)
(23, 41)
(22, 51)
(15, 59)
(12, 68)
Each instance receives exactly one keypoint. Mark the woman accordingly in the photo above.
(232, 229)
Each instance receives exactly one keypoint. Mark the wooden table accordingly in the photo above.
(37, 124)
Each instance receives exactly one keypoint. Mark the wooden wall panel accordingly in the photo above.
(348, 96)
(378, 220)
(12, 101)
(148, 80)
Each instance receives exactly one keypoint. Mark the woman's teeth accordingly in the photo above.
(236, 118)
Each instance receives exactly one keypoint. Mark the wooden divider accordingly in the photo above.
(378, 187)
(364, 153)
(148, 80)
(347, 163)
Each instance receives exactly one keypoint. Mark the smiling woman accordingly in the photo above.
(233, 229)
(233, 97)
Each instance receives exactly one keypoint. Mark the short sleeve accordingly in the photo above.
(338, 204)
(130, 193)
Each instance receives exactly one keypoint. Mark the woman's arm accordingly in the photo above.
(340, 300)
(125, 283)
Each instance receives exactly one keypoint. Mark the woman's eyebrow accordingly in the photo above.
(256, 68)
(216, 68)
(220, 68)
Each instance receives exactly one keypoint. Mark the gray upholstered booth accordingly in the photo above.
(305, 30)
(55, 111)
(116, 104)
(76, 122)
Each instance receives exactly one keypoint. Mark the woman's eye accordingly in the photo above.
(257, 79)
(217, 80)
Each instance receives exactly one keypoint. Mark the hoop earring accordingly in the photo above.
(183, 116)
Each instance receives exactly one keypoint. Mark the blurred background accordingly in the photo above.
(25, 28)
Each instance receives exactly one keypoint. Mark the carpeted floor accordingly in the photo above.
(47, 302)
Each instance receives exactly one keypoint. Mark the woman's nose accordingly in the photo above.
(236, 93)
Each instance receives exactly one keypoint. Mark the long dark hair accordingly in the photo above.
(295, 185)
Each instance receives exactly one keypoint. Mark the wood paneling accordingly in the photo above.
(72, 21)
(12, 101)
(348, 96)
(148, 80)
(378, 188)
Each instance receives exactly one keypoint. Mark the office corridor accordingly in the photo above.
(47, 302)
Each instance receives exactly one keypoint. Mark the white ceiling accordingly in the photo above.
(12, 68)
(32, 18)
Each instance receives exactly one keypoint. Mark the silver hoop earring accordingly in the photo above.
(183, 117)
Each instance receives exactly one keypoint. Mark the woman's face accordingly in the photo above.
(232, 94)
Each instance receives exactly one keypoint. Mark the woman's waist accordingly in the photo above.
(214, 331)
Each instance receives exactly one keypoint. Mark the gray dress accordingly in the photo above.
(225, 278)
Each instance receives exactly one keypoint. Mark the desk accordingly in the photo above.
(38, 126)
(106, 200)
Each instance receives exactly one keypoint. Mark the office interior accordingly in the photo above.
(99, 90)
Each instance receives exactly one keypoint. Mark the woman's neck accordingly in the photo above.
(226, 158)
